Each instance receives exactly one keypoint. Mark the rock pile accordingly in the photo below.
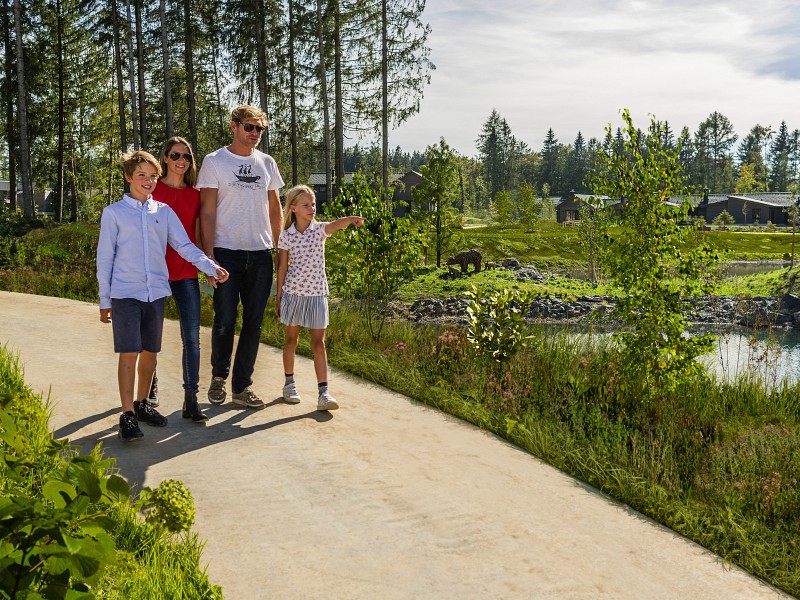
(781, 311)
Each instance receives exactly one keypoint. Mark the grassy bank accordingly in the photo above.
(145, 562)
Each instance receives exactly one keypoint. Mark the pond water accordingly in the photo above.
(772, 357)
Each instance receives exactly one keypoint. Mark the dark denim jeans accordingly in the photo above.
(249, 281)
(186, 293)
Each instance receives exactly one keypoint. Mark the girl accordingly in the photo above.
(176, 189)
(301, 299)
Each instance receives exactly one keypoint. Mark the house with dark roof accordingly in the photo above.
(746, 209)
(43, 199)
(568, 209)
(756, 208)
(402, 183)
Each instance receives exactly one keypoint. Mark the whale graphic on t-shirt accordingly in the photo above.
(246, 175)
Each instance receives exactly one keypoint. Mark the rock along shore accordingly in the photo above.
(758, 311)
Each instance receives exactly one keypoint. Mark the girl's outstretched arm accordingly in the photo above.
(338, 224)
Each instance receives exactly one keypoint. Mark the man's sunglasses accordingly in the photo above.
(248, 127)
(177, 155)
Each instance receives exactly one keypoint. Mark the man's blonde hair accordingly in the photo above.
(130, 160)
(293, 197)
(243, 112)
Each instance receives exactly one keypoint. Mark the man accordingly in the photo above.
(240, 221)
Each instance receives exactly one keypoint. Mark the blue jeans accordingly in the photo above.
(186, 293)
(249, 281)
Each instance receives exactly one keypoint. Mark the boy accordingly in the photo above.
(133, 281)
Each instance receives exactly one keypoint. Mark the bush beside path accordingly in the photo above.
(383, 498)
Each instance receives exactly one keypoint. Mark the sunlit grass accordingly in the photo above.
(151, 563)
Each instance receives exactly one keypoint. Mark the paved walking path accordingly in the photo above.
(383, 498)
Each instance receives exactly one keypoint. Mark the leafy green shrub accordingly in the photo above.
(377, 257)
(495, 322)
(53, 545)
(172, 505)
(650, 260)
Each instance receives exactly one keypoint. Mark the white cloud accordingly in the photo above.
(572, 65)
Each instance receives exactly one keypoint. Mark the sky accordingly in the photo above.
(573, 65)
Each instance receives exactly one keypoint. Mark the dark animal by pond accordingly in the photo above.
(464, 259)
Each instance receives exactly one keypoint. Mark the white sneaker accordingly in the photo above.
(326, 402)
(290, 394)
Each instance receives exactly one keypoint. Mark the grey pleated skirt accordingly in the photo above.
(306, 311)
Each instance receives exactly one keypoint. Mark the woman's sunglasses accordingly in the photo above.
(248, 127)
(177, 155)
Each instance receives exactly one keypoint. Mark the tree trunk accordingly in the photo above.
(261, 75)
(22, 114)
(9, 100)
(338, 133)
(59, 203)
(73, 185)
(385, 97)
(123, 133)
(165, 57)
(323, 75)
(132, 75)
(189, 59)
(292, 91)
(214, 32)
(140, 56)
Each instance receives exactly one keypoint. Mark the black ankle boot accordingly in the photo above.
(191, 409)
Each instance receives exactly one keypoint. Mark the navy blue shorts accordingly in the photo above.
(137, 325)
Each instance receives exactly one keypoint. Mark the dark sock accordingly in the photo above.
(323, 387)
(289, 378)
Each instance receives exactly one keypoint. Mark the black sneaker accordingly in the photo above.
(152, 397)
(147, 414)
(129, 428)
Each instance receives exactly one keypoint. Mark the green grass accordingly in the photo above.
(752, 245)
(773, 283)
(550, 246)
(432, 282)
(150, 563)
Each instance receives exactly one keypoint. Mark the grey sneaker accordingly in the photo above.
(216, 391)
(326, 402)
(248, 399)
(290, 394)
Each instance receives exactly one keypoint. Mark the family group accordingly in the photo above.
(227, 221)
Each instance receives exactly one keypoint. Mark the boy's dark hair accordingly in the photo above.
(130, 160)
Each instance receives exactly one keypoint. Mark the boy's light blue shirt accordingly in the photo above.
(132, 247)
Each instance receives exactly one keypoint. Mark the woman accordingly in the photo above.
(176, 189)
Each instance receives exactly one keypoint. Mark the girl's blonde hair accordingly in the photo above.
(293, 197)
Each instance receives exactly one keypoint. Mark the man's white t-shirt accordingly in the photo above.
(242, 183)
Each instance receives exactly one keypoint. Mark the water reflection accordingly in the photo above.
(769, 356)
(772, 357)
